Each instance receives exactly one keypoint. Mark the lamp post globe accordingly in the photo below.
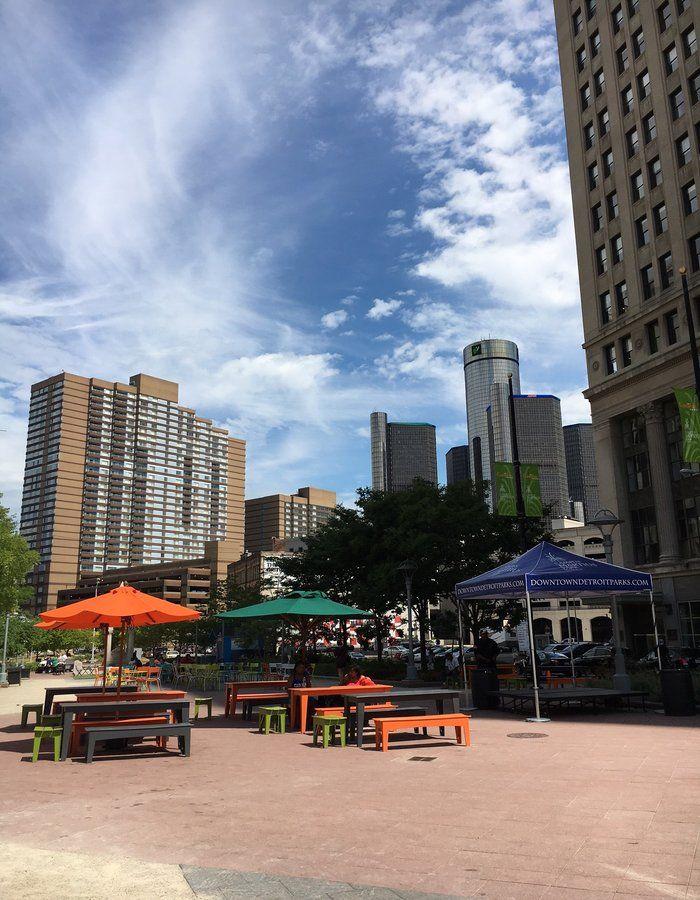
(408, 568)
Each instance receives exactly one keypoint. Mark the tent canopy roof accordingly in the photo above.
(304, 604)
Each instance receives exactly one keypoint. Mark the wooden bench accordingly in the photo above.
(341, 711)
(123, 732)
(383, 726)
(81, 726)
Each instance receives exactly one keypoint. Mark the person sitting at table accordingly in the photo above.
(355, 677)
(300, 676)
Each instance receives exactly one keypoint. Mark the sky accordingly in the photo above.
(300, 211)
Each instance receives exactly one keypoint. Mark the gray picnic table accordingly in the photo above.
(69, 709)
(53, 692)
(441, 697)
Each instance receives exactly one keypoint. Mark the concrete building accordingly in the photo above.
(282, 516)
(120, 475)
(401, 452)
(457, 464)
(487, 363)
(631, 87)
(581, 472)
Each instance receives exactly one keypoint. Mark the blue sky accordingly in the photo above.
(300, 211)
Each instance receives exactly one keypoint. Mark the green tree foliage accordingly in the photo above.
(16, 560)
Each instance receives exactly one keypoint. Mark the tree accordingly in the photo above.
(16, 561)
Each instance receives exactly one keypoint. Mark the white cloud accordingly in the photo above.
(349, 300)
(574, 407)
(381, 309)
(396, 214)
(334, 319)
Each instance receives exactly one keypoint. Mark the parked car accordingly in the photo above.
(598, 654)
(577, 649)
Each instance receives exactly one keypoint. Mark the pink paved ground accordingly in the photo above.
(604, 806)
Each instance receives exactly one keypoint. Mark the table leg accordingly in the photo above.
(303, 710)
(360, 721)
(66, 735)
(48, 701)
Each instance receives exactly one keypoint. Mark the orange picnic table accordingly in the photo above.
(300, 698)
(238, 690)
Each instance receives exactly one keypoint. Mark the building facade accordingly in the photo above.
(457, 464)
(401, 452)
(581, 471)
(631, 87)
(283, 516)
(487, 363)
(120, 475)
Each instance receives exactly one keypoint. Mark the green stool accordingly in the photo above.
(326, 725)
(47, 731)
(36, 708)
(272, 718)
(202, 701)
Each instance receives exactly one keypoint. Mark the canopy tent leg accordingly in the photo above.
(533, 661)
(571, 646)
(656, 630)
(463, 662)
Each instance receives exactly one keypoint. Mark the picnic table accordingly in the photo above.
(131, 696)
(70, 709)
(441, 697)
(52, 692)
(563, 696)
(234, 692)
(300, 698)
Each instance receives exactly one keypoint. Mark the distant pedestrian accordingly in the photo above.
(486, 651)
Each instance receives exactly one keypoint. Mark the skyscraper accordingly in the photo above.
(631, 88)
(122, 475)
(457, 464)
(486, 363)
(581, 472)
(401, 452)
(279, 517)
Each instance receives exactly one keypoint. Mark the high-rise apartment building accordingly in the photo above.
(401, 452)
(581, 472)
(487, 363)
(121, 475)
(631, 86)
(457, 464)
(280, 517)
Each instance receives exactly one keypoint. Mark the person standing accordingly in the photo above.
(486, 651)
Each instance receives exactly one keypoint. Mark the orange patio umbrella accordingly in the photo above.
(124, 607)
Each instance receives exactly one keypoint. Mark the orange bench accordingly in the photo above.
(79, 727)
(340, 710)
(458, 721)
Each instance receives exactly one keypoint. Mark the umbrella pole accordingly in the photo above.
(656, 630)
(121, 660)
(105, 629)
(533, 659)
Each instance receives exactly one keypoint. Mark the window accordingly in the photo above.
(616, 249)
(599, 82)
(608, 164)
(694, 248)
(621, 298)
(577, 21)
(632, 141)
(677, 101)
(642, 226)
(604, 121)
(660, 218)
(644, 84)
(597, 217)
(644, 535)
(653, 336)
(690, 198)
(671, 59)
(637, 183)
(591, 7)
(626, 350)
(613, 207)
(683, 150)
(610, 359)
(601, 260)
(655, 174)
(595, 44)
(682, 6)
(605, 307)
(694, 84)
(690, 41)
(671, 320)
(638, 42)
(666, 270)
(581, 58)
(633, 6)
(648, 282)
(585, 93)
(593, 175)
(664, 13)
(588, 135)
(649, 125)
(623, 59)
(617, 18)
(627, 98)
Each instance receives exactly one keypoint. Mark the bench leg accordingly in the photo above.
(89, 748)
(458, 733)
(183, 743)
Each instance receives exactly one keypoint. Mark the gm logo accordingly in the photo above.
(476, 349)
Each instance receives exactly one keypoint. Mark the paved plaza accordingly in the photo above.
(597, 806)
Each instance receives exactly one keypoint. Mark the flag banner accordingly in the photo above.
(687, 401)
(530, 483)
(504, 476)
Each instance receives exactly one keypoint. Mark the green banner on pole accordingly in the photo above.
(504, 477)
(530, 482)
(687, 401)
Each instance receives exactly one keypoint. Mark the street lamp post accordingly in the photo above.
(606, 522)
(3, 671)
(408, 567)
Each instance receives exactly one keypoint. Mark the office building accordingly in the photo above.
(120, 475)
(581, 472)
(401, 452)
(260, 570)
(486, 363)
(457, 464)
(282, 516)
(631, 88)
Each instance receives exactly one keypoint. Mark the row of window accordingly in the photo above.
(618, 354)
(617, 15)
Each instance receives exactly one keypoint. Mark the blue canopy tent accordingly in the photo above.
(547, 570)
